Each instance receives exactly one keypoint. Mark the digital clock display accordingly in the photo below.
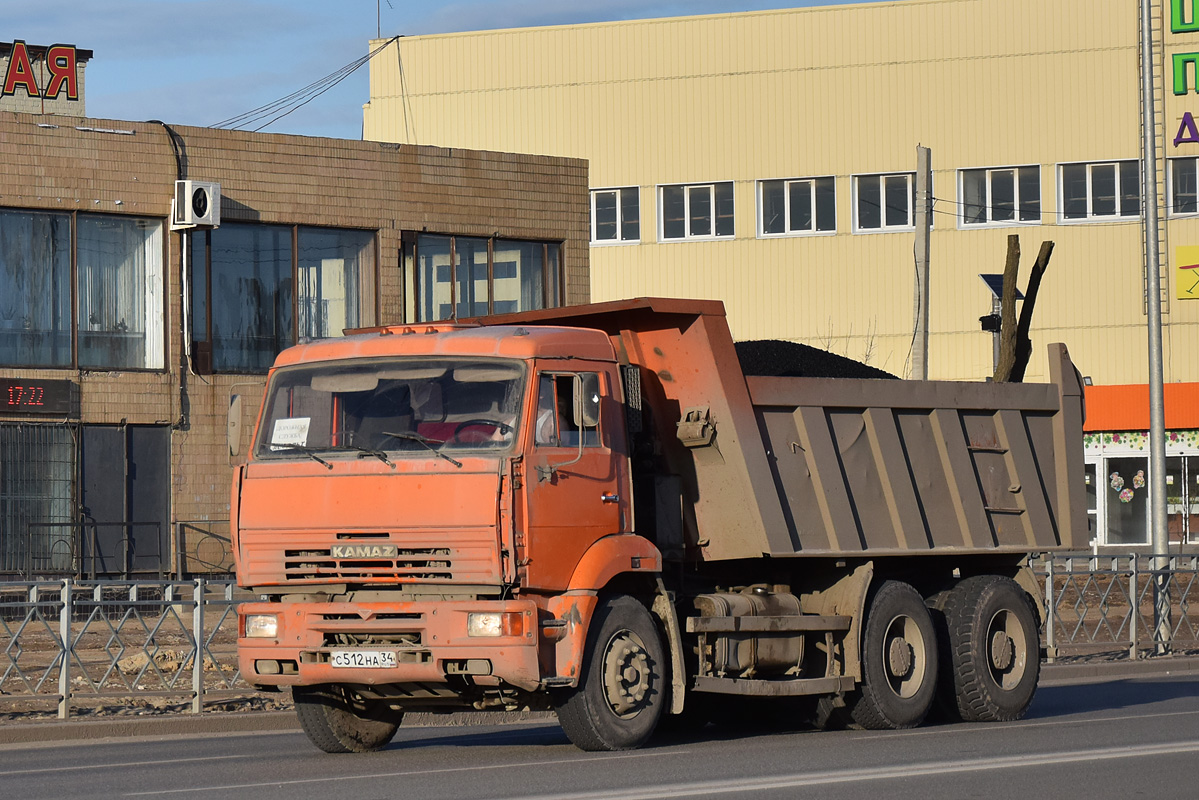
(32, 396)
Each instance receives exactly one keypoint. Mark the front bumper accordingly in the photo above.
(429, 640)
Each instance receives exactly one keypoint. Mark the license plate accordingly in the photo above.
(368, 659)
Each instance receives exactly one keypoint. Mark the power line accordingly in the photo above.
(278, 109)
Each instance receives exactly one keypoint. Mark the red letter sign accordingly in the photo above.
(20, 72)
(60, 60)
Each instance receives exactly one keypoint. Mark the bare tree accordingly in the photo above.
(1015, 347)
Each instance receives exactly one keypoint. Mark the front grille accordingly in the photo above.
(397, 629)
(426, 564)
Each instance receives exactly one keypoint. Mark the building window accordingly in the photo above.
(615, 215)
(1001, 196)
(108, 315)
(799, 205)
(885, 202)
(256, 288)
(1100, 191)
(1184, 194)
(119, 268)
(455, 277)
(332, 268)
(696, 211)
(37, 499)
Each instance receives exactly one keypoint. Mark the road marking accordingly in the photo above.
(1021, 724)
(122, 765)
(856, 774)
(406, 773)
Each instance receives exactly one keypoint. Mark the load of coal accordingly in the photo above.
(774, 358)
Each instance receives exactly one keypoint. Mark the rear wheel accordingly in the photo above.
(620, 695)
(899, 661)
(995, 648)
(338, 721)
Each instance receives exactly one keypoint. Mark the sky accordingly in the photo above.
(202, 62)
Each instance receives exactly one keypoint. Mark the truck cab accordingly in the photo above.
(415, 506)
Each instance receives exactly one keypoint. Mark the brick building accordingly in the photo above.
(123, 338)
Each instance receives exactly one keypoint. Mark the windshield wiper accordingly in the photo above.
(416, 437)
(308, 451)
(366, 451)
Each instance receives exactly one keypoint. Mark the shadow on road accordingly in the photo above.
(741, 721)
(1056, 701)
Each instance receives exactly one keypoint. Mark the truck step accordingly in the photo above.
(787, 688)
(772, 624)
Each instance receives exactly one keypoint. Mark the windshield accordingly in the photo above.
(380, 407)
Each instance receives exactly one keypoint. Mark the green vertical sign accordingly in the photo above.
(1181, 61)
(1178, 23)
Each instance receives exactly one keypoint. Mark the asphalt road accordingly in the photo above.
(1127, 738)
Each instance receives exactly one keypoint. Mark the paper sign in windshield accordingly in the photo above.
(293, 431)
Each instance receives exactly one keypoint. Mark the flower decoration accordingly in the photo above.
(1126, 496)
(1138, 480)
(1117, 481)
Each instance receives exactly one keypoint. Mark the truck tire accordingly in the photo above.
(945, 704)
(899, 661)
(335, 723)
(995, 648)
(622, 686)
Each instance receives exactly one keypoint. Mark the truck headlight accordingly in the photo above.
(495, 623)
(260, 626)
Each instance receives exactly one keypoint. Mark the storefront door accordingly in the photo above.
(124, 499)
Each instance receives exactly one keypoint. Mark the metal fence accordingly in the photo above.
(202, 547)
(70, 642)
(1107, 604)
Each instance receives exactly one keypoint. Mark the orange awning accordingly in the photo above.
(1126, 408)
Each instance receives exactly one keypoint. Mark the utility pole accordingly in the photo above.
(924, 205)
(1157, 409)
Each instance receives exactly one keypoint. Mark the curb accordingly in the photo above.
(54, 730)
(1097, 671)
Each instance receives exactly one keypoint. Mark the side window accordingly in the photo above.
(566, 402)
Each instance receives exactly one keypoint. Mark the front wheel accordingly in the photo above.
(899, 661)
(620, 695)
(995, 647)
(338, 721)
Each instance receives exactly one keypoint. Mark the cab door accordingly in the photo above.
(577, 480)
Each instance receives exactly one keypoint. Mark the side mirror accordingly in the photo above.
(233, 426)
(587, 400)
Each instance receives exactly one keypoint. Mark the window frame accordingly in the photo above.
(909, 226)
(552, 289)
(155, 352)
(202, 352)
(1171, 208)
(988, 205)
(687, 219)
(762, 233)
(1091, 218)
(592, 438)
(620, 239)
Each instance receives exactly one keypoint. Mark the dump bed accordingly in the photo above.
(845, 467)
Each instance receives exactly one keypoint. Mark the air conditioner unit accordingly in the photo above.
(197, 203)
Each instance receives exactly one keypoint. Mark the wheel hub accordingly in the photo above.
(1002, 652)
(626, 674)
(899, 657)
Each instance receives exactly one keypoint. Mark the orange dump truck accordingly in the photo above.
(592, 509)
